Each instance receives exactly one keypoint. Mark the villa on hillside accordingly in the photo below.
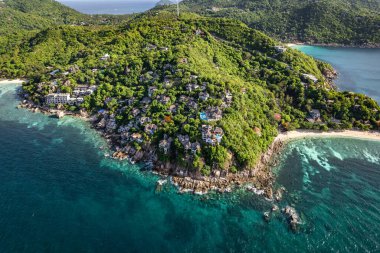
(185, 141)
(280, 49)
(105, 57)
(191, 87)
(310, 77)
(84, 90)
(314, 116)
(165, 144)
(152, 90)
(214, 114)
(150, 129)
(211, 114)
(204, 96)
(212, 136)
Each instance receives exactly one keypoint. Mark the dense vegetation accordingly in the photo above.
(219, 57)
(35, 14)
(354, 22)
(17, 16)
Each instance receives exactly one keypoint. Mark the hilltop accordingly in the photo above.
(20, 17)
(354, 22)
(165, 2)
(192, 96)
(35, 15)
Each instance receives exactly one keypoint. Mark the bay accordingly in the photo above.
(359, 68)
(58, 193)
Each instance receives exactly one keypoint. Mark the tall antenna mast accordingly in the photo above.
(178, 8)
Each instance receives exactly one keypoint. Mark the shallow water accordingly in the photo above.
(359, 68)
(59, 194)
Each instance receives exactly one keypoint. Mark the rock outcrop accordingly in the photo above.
(292, 217)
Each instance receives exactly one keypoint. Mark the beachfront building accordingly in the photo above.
(314, 116)
(57, 98)
(76, 101)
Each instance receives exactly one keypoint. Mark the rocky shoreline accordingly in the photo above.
(259, 179)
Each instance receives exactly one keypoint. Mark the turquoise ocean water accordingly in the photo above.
(58, 193)
(359, 68)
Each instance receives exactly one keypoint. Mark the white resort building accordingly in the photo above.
(62, 98)
(57, 98)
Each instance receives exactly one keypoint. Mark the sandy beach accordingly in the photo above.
(16, 81)
(299, 134)
(293, 44)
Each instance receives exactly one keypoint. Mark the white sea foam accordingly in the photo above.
(371, 157)
(336, 154)
(310, 153)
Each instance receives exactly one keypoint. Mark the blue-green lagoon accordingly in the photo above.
(58, 193)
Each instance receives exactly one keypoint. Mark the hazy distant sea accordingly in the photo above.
(116, 7)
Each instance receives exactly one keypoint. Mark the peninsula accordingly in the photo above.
(200, 99)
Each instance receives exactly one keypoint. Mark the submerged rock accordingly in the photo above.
(160, 184)
(275, 208)
(266, 216)
(279, 194)
(292, 217)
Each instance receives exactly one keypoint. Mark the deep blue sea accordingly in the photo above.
(58, 193)
(359, 68)
(115, 7)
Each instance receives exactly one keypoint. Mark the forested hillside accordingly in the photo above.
(354, 22)
(18, 17)
(212, 91)
(35, 14)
